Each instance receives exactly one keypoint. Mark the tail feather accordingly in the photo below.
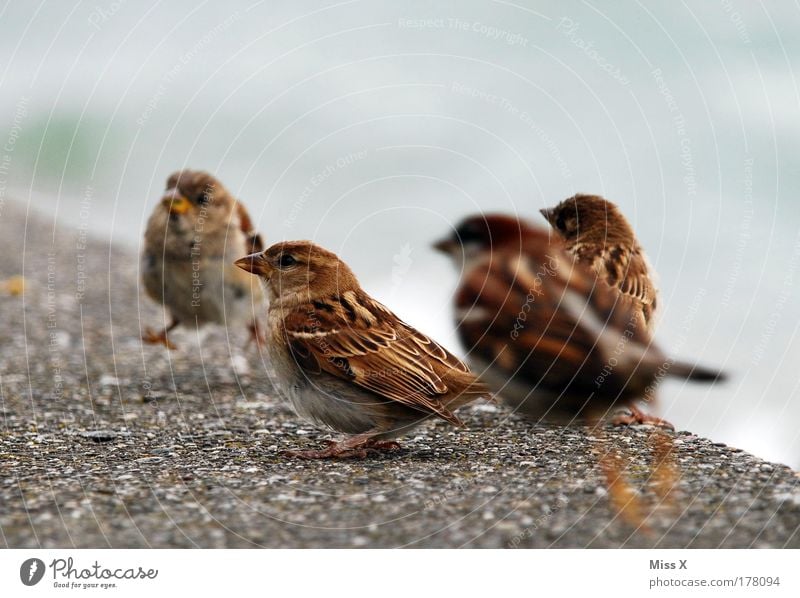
(696, 373)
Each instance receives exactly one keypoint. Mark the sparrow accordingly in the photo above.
(557, 342)
(190, 240)
(548, 334)
(598, 234)
(347, 362)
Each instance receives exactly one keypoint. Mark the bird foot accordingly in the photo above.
(638, 417)
(346, 449)
(333, 451)
(383, 446)
(157, 338)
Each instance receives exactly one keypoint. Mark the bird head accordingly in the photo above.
(301, 269)
(481, 235)
(583, 217)
(195, 201)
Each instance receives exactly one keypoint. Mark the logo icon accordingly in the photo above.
(31, 572)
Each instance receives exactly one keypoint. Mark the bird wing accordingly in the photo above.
(545, 324)
(519, 326)
(357, 339)
(152, 275)
(627, 271)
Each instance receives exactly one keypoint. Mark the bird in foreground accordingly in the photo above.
(596, 232)
(347, 362)
(195, 231)
(547, 334)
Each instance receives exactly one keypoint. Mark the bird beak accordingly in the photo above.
(255, 263)
(446, 246)
(548, 213)
(176, 204)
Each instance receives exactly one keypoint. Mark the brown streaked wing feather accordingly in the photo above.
(626, 271)
(384, 355)
(547, 339)
(549, 347)
(637, 282)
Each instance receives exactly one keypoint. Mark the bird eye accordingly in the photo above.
(203, 197)
(469, 234)
(286, 261)
(560, 222)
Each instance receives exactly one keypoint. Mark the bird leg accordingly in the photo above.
(387, 446)
(257, 336)
(638, 417)
(160, 338)
(357, 447)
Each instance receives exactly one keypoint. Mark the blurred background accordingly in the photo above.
(372, 127)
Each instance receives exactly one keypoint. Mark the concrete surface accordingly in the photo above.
(106, 443)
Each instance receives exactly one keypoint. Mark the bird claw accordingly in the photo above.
(343, 450)
(157, 338)
(387, 446)
(638, 417)
(332, 452)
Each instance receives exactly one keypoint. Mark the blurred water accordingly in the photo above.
(372, 127)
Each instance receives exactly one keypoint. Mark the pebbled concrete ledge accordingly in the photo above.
(105, 443)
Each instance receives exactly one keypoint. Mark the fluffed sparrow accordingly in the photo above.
(597, 234)
(191, 238)
(344, 360)
(556, 342)
(545, 332)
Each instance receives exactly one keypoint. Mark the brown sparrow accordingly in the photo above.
(557, 342)
(598, 235)
(191, 237)
(545, 332)
(344, 360)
